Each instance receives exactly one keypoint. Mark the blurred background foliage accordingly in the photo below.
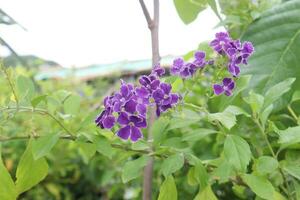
(80, 170)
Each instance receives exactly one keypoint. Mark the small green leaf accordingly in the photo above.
(44, 144)
(290, 136)
(72, 104)
(132, 169)
(266, 164)
(188, 10)
(223, 172)
(140, 145)
(227, 119)
(198, 134)
(25, 87)
(296, 96)
(206, 194)
(236, 111)
(87, 150)
(30, 172)
(293, 170)
(255, 101)
(103, 146)
(158, 129)
(172, 164)
(35, 101)
(260, 186)
(7, 185)
(275, 92)
(202, 174)
(237, 152)
(265, 114)
(168, 189)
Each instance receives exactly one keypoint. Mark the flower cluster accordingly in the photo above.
(128, 107)
(237, 53)
(188, 69)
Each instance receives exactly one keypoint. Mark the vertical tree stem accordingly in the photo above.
(153, 25)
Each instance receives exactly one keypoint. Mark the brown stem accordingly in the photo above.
(153, 25)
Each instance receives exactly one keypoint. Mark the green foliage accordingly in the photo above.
(30, 172)
(172, 164)
(7, 185)
(42, 146)
(260, 186)
(168, 189)
(276, 37)
(237, 152)
(188, 10)
(132, 169)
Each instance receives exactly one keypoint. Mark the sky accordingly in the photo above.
(77, 33)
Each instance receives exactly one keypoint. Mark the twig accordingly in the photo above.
(153, 27)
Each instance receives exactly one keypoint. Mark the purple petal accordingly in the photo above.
(158, 70)
(130, 106)
(185, 72)
(227, 81)
(142, 92)
(231, 85)
(136, 134)
(158, 95)
(174, 98)
(144, 80)
(154, 84)
(124, 132)
(124, 90)
(228, 92)
(142, 109)
(178, 62)
(199, 55)
(231, 51)
(218, 89)
(109, 122)
(247, 48)
(123, 118)
(166, 87)
(138, 121)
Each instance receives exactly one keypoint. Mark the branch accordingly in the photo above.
(146, 13)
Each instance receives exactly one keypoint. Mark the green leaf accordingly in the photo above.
(293, 170)
(172, 164)
(206, 194)
(266, 164)
(237, 152)
(276, 38)
(158, 129)
(223, 172)
(255, 101)
(168, 189)
(35, 101)
(72, 104)
(7, 185)
(260, 186)
(43, 145)
(25, 87)
(188, 10)
(213, 5)
(132, 169)
(202, 174)
(275, 92)
(198, 134)
(30, 172)
(290, 136)
(296, 96)
(87, 150)
(103, 146)
(227, 119)
(236, 111)
(265, 114)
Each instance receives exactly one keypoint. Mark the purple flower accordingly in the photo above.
(131, 125)
(199, 59)
(164, 99)
(234, 69)
(227, 87)
(220, 42)
(158, 70)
